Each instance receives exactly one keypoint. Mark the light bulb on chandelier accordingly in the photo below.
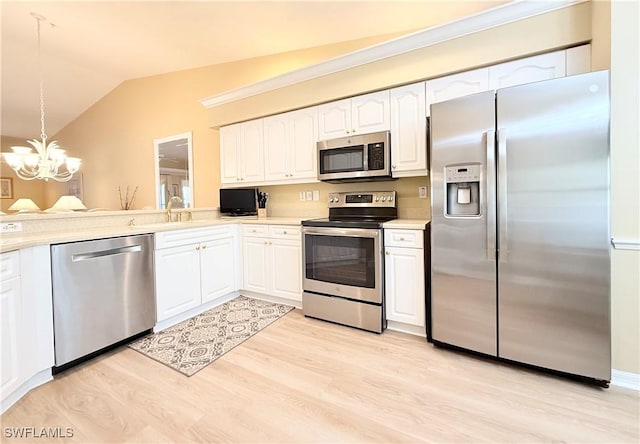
(48, 159)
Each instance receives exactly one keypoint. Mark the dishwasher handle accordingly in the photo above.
(110, 252)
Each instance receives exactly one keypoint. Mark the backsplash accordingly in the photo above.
(284, 200)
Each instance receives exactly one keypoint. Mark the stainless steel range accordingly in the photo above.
(343, 276)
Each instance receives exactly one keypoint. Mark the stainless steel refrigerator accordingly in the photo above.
(520, 224)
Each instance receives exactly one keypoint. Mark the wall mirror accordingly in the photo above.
(174, 170)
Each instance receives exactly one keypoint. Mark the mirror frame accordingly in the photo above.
(156, 154)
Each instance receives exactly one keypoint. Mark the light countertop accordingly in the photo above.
(25, 240)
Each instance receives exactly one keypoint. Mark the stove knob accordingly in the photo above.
(331, 200)
(390, 198)
(337, 199)
(377, 198)
(383, 198)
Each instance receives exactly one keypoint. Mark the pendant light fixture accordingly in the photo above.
(49, 161)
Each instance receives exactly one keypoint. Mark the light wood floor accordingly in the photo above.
(302, 380)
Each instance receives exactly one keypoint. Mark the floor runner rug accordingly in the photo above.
(191, 345)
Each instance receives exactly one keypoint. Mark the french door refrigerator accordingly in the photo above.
(520, 224)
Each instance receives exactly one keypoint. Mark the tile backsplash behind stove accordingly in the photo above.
(284, 200)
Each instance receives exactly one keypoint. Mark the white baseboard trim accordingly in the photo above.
(406, 328)
(625, 379)
(166, 323)
(270, 298)
(35, 381)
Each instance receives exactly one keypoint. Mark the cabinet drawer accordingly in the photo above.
(9, 265)
(404, 238)
(284, 232)
(255, 230)
(168, 239)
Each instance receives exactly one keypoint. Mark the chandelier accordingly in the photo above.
(48, 159)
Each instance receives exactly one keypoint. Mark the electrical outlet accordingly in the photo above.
(422, 192)
(12, 227)
(316, 195)
(309, 195)
(302, 196)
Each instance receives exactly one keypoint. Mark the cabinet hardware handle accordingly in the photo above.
(198, 247)
(387, 253)
(284, 232)
(402, 238)
(204, 246)
(393, 166)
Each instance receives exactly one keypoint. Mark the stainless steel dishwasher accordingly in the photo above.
(103, 293)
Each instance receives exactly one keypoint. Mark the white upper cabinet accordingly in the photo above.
(408, 131)
(456, 85)
(363, 114)
(290, 146)
(242, 153)
(528, 70)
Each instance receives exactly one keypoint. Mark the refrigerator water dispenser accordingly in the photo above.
(463, 190)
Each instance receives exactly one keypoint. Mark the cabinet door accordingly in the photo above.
(370, 113)
(285, 260)
(303, 134)
(408, 131)
(456, 85)
(255, 273)
(404, 285)
(217, 268)
(252, 162)
(528, 70)
(229, 154)
(334, 119)
(177, 280)
(10, 329)
(276, 148)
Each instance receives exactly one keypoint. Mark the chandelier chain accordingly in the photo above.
(43, 134)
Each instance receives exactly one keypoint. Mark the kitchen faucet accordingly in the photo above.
(173, 199)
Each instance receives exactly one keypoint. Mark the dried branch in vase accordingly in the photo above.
(126, 203)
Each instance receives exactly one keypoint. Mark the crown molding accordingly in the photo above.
(498, 16)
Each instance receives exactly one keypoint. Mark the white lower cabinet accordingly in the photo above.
(26, 322)
(405, 280)
(272, 260)
(193, 267)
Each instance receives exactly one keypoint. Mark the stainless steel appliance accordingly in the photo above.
(520, 224)
(103, 293)
(365, 157)
(343, 274)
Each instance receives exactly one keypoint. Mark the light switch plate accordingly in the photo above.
(422, 192)
(309, 195)
(11, 227)
(302, 196)
(316, 195)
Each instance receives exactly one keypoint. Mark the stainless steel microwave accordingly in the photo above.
(364, 157)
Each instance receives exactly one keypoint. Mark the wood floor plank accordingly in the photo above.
(304, 380)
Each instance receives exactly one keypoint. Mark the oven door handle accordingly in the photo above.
(349, 232)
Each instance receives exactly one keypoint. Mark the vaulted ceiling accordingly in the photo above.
(95, 46)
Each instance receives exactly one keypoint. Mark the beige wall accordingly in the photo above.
(554, 30)
(625, 184)
(115, 137)
(34, 189)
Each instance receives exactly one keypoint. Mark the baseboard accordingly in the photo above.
(406, 328)
(271, 298)
(625, 379)
(33, 382)
(164, 324)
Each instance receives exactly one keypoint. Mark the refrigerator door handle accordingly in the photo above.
(491, 194)
(502, 194)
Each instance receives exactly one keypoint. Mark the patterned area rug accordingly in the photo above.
(195, 343)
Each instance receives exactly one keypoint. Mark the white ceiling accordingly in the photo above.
(95, 46)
